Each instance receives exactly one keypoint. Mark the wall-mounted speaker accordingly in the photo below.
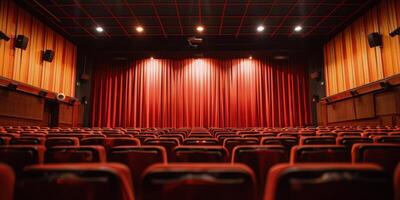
(42, 93)
(21, 42)
(12, 86)
(374, 39)
(395, 32)
(48, 55)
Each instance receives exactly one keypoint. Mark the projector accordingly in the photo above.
(194, 41)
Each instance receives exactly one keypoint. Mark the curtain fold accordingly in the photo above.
(200, 93)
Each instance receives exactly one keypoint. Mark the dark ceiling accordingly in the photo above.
(77, 19)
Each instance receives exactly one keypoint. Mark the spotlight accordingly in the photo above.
(42, 93)
(152, 58)
(12, 86)
(99, 29)
(139, 29)
(298, 28)
(260, 28)
(353, 92)
(385, 85)
(200, 29)
(315, 98)
(3, 36)
(395, 32)
(250, 57)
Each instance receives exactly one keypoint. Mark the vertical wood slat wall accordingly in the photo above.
(350, 62)
(26, 65)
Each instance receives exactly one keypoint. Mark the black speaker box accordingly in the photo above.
(21, 42)
(374, 39)
(48, 55)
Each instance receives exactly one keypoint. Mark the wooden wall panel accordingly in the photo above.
(65, 114)
(26, 65)
(350, 62)
(341, 111)
(364, 106)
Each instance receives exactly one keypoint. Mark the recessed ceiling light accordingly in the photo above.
(139, 29)
(200, 29)
(260, 28)
(99, 29)
(298, 28)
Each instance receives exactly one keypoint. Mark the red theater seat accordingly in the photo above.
(230, 143)
(200, 141)
(397, 182)
(320, 153)
(113, 142)
(143, 137)
(260, 158)
(75, 154)
(174, 136)
(7, 180)
(86, 181)
(168, 143)
(137, 159)
(20, 156)
(27, 141)
(198, 182)
(317, 140)
(349, 134)
(62, 141)
(222, 137)
(94, 141)
(387, 139)
(328, 182)
(5, 140)
(385, 155)
(350, 140)
(287, 142)
(203, 154)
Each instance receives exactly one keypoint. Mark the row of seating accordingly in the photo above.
(200, 181)
(260, 158)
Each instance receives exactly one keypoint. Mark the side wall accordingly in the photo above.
(350, 62)
(26, 66)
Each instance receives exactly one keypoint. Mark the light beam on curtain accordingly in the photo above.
(200, 93)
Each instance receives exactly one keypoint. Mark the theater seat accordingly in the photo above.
(137, 158)
(317, 140)
(86, 181)
(397, 182)
(62, 141)
(5, 140)
(320, 153)
(198, 182)
(200, 141)
(75, 154)
(328, 182)
(260, 158)
(287, 142)
(387, 139)
(230, 143)
(143, 137)
(27, 141)
(350, 140)
(7, 181)
(20, 156)
(213, 154)
(168, 143)
(385, 155)
(113, 142)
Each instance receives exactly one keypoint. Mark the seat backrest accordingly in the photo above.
(222, 137)
(100, 181)
(62, 141)
(168, 143)
(75, 154)
(27, 141)
(176, 136)
(143, 137)
(137, 158)
(260, 158)
(230, 143)
(20, 156)
(113, 142)
(287, 142)
(387, 139)
(328, 181)
(213, 154)
(200, 141)
(198, 182)
(349, 141)
(320, 153)
(385, 155)
(100, 141)
(7, 181)
(317, 140)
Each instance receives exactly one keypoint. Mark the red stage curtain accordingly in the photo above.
(200, 93)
